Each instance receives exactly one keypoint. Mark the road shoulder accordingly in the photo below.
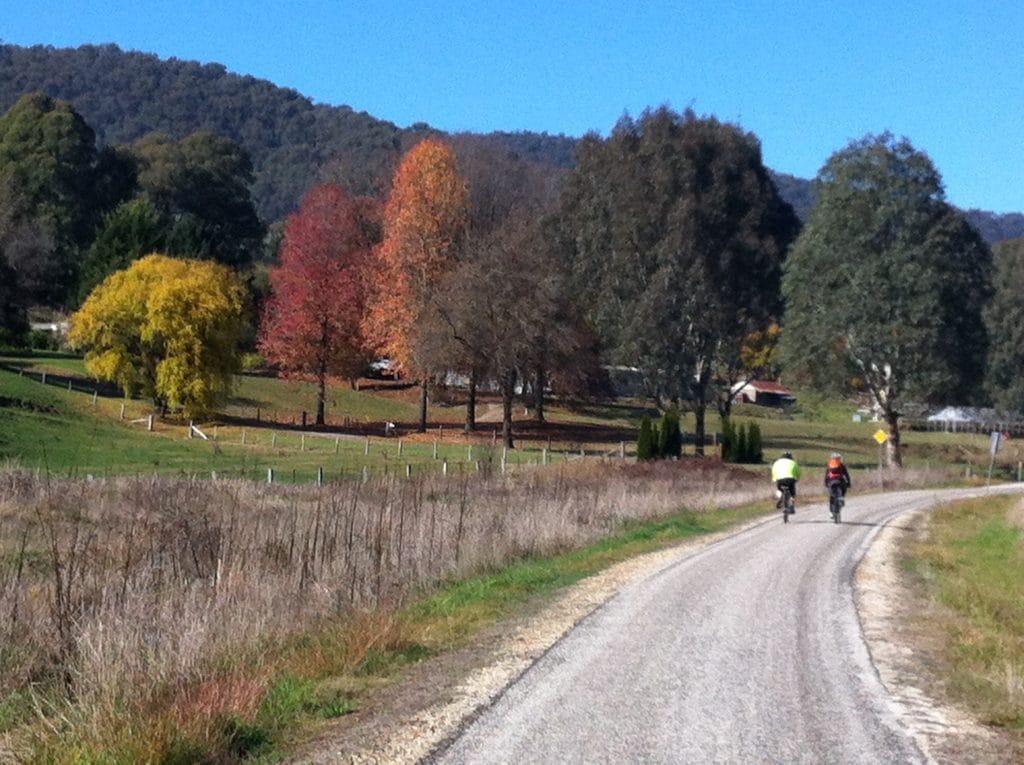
(406, 721)
(893, 612)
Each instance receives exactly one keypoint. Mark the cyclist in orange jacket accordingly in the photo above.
(836, 472)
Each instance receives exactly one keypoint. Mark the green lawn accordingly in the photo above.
(71, 432)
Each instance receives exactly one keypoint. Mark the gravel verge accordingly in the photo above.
(907, 655)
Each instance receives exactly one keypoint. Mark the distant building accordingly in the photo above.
(762, 393)
(958, 414)
(625, 382)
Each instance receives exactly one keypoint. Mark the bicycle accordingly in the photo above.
(835, 500)
(788, 503)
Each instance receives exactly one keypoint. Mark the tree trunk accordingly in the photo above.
(893, 447)
(538, 402)
(423, 405)
(724, 403)
(508, 389)
(700, 407)
(699, 411)
(471, 403)
(321, 396)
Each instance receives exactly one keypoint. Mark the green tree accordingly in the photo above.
(1005, 320)
(670, 438)
(675, 234)
(755, 445)
(646, 440)
(48, 156)
(886, 284)
(728, 441)
(740, 450)
(13, 322)
(129, 231)
(167, 328)
(202, 183)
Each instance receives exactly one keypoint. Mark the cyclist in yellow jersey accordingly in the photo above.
(785, 472)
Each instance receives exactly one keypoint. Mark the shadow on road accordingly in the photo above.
(829, 522)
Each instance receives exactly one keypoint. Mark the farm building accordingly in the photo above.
(762, 393)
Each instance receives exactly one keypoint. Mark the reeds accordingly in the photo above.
(107, 583)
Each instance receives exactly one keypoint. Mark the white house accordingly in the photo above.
(763, 393)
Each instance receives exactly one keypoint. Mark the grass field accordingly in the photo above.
(50, 428)
(972, 563)
(74, 432)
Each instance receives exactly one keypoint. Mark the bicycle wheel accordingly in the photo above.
(834, 503)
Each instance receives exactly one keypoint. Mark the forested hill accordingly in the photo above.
(292, 141)
(994, 227)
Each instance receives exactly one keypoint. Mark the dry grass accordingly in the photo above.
(971, 565)
(1015, 516)
(152, 598)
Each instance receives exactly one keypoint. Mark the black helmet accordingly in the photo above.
(787, 455)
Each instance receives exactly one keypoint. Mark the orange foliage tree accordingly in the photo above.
(311, 326)
(424, 227)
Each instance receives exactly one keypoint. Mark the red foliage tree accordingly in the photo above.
(311, 324)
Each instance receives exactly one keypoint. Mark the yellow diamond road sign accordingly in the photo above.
(881, 436)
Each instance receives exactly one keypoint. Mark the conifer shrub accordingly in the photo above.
(646, 441)
(670, 438)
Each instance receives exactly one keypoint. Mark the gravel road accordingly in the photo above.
(747, 650)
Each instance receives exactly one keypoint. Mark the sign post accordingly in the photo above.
(994, 440)
(881, 437)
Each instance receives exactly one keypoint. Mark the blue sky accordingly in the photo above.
(806, 77)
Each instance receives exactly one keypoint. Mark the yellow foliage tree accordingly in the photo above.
(166, 328)
(760, 351)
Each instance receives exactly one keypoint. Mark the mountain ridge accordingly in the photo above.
(293, 140)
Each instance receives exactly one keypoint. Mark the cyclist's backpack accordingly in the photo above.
(834, 472)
